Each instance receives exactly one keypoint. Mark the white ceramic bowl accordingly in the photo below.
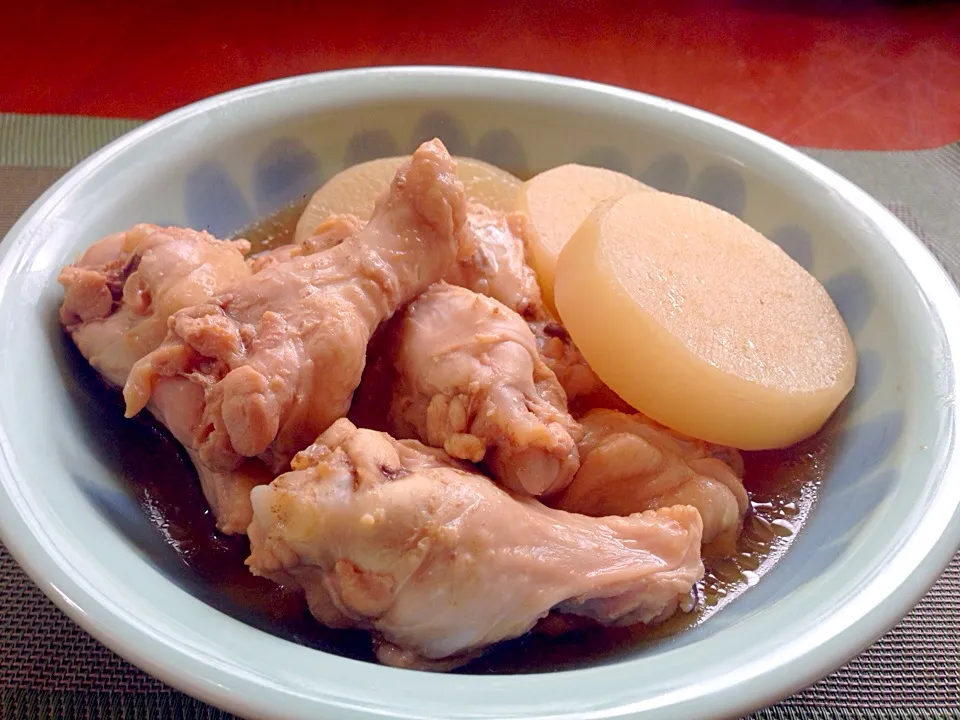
(886, 525)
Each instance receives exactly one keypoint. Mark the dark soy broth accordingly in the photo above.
(275, 230)
(783, 486)
(186, 545)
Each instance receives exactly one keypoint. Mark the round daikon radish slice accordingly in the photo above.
(356, 190)
(557, 202)
(487, 184)
(700, 322)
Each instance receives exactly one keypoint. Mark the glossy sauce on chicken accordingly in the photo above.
(783, 487)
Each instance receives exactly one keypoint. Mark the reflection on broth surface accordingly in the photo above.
(783, 485)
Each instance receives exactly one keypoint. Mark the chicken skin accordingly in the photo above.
(493, 261)
(276, 359)
(120, 294)
(440, 563)
(629, 463)
(559, 353)
(469, 379)
(117, 300)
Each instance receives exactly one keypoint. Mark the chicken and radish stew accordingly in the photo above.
(447, 419)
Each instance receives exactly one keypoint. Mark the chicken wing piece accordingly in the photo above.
(117, 301)
(492, 260)
(275, 360)
(440, 563)
(469, 379)
(119, 295)
(228, 493)
(629, 463)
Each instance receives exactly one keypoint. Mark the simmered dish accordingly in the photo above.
(393, 414)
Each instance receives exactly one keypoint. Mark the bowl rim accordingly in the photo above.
(223, 687)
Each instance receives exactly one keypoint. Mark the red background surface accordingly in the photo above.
(854, 75)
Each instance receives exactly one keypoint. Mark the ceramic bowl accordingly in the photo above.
(885, 526)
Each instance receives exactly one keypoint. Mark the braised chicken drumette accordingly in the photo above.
(629, 463)
(276, 359)
(469, 379)
(117, 302)
(398, 538)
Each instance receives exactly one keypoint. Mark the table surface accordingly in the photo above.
(843, 74)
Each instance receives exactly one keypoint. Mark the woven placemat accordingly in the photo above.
(52, 669)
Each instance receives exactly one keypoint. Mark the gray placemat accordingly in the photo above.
(52, 669)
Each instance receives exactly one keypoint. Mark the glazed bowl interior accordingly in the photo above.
(884, 526)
